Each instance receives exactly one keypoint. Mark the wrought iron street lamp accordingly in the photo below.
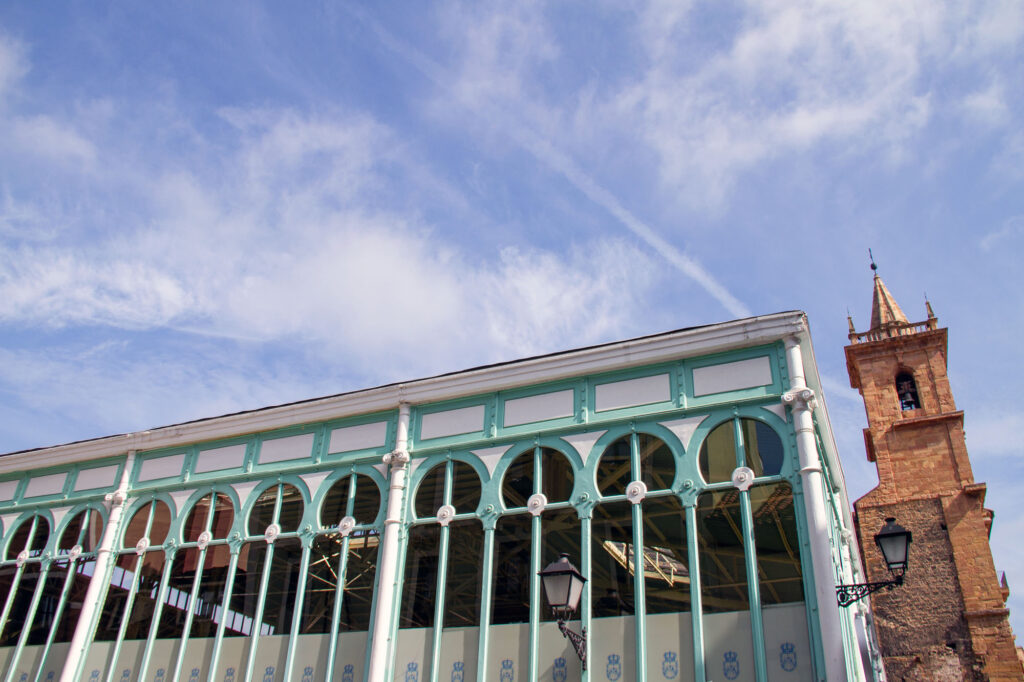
(563, 586)
(894, 543)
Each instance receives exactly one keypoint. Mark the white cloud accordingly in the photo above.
(13, 65)
(988, 106)
(44, 136)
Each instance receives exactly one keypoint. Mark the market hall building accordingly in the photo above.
(396, 533)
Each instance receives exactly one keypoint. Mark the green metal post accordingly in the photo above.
(339, 588)
(261, 599)
(586, 610)
(193, 596)
(58, 614)
(696, 605)
(300, 597)
(486, 590)
(639, 591)
(44, 571)
(442, 573)
(225, 605)
(753, 588)
(535, 566)
(161, 597)
(15, 583)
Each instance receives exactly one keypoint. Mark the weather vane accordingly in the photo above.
(872, 257)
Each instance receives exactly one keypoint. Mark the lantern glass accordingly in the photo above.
(563, 584)
(894, 542)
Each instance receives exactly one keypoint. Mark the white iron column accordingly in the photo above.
(390, 551)
(801, 400)
(96, 592)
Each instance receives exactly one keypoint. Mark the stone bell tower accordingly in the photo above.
(949, 620)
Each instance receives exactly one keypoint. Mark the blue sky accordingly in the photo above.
(210, 207)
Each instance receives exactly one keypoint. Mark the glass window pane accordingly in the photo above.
(19, 608)
(557, 475)
(718, 454)
(723, 573)
(778, 549)
(560, 532)
(158, 529)
(657, 464)
(462, 585)
(430, 493)
(85, 530)
(763, 447)
(32, 534)
(512, 570)
(614, 471)
(244, 595)
(211, 591)
(517, 485)
(611, 552)
(359, 578)
(282, 587)
(465, 488)
(223, 517)
(335, 504)
(666, 567)
(420, 589)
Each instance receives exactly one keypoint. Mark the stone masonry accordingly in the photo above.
(949, 620)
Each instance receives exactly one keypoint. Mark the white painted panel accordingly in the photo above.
(684, 428)
(7, 489)
(614, 649)
(786, 644)
(100, 477)
(778, 410)
(412, 655)
(180, 499)
(642, 391)
(584, 442)
(45, 485)
(537, 408)
(732, 376)
(284, 449)
(161, 467)
(362, 437)
(728, 647)
(670, 647)
(508, 656)
(229, 457)
(452, 422)
(314, 480)
(243, 490)
(458, 658)
(491, 456)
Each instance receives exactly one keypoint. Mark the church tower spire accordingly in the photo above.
(949, 620)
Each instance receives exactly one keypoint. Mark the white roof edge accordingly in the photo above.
(605, 358)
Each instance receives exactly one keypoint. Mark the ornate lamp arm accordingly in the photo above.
(847, 594)
(579, 641)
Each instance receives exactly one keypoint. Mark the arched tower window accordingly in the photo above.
(906, 391)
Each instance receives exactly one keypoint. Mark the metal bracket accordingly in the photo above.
(848, 594)
(579, 641)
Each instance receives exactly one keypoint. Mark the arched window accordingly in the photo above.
(906, 391)
(342, 565)
(20, 574)
(760, 448)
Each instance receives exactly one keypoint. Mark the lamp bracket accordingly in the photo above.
(579, 641)
(848, 594)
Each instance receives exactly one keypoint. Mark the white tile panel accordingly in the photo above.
(362, 437)
(7, 489)
(537, 408)
(45, 485)
(732, 376)
(632, 392)
(100, 477)
(285, 449)
(452, 422)
(491, 456)
(161, 467)
(779, 410)
(584, 442)
(684, 428)
(228, 457)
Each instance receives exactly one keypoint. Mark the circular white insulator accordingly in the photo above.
(273, 530)
(743, 477)
(141, 546)
(346, 525)
(536, 503)
(636, 492)
(22, 557)
(204, 539)
(75, 552)
(445, 514)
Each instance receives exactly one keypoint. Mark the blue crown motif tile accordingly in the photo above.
(558, 672)
(508, 672)
(348, 674)
(307, 674)
(670, 665)
(50, 675)
(787, 657)
(268, 674)
(194, 677)
(159, 675)
(412, 673)
(458, 672)
(23, 677)
(94, 675)
(731, 665)
(229, 675)
(126, 675)
(613, 671)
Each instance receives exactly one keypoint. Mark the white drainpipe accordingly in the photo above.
(389, 551)
(95, 593)
(801, 399)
